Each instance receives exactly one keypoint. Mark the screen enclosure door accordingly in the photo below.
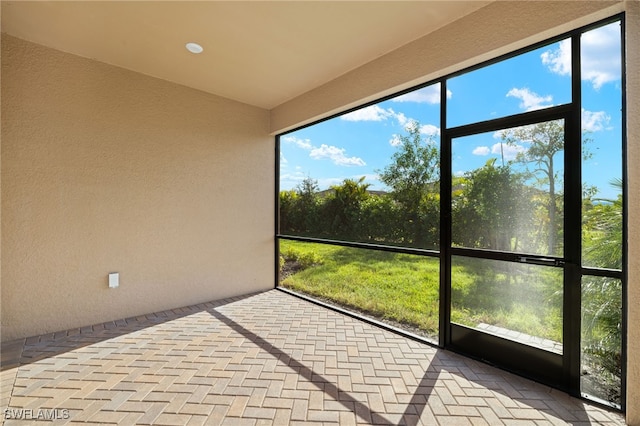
(507, 257)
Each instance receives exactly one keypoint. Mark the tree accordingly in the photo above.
(299, 209)
(307, 210)
(492, 209)
(412, 175)
(603, 231)
(288, 201)
(541, 143)
(308, 189)
(382, 219)
(343, 209)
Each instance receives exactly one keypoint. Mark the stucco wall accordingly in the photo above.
(1, 37)
(633, 218)
(105, 170)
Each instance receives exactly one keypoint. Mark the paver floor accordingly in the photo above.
(266, 358)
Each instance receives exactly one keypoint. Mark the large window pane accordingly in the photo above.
(534, 80)
(602, 147)
(372, 175)
(508, 189)
(515, 301)
(398, 289)
(601, 346)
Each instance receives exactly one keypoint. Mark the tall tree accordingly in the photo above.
(541, 145)
(307, 206)
(414, 172)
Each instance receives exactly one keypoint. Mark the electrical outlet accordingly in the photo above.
(114, 279)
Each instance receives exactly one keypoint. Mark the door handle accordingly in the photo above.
(544, 261)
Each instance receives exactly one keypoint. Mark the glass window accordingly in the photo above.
(515, 301)
(533, 80)
(371, 175)
(507, 190)
(602, 147)
(601, 346)
(401, 290)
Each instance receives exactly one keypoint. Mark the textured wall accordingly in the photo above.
(105, 170)
(633, 182)
(1, 37)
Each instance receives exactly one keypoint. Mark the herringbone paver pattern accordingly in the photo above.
(267, 358)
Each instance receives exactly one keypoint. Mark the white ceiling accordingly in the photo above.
(258, 52)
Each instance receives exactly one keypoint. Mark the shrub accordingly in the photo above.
(305, 258)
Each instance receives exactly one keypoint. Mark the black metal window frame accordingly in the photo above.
(571, 113)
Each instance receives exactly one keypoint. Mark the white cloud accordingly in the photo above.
(508, 151)
(328, 182)
(375, 113)
(481, 150)
(501, 149)
(335, 154)
(425, 129)
(291, 180)
(600, 57)
(395, 140)
(283, 160)
(429, 95)
(530, 101)
(300, 143)
(402, 119)
(559, 60)
(594, 121)
(500, 133)
(370, 113)
(430, 130)
(297, 176)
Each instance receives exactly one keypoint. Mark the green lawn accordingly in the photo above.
(404, 289)
(397, 287)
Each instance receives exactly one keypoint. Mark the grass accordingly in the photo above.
(394, 287)
(404, 289)
(524, 298)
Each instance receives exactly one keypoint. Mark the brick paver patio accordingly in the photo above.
(266, 358)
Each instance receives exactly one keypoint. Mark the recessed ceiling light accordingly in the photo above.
(194, 48)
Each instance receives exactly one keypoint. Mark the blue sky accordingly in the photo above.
(362, 142)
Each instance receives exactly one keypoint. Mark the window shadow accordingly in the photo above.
(331, 389)
(575, 414)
